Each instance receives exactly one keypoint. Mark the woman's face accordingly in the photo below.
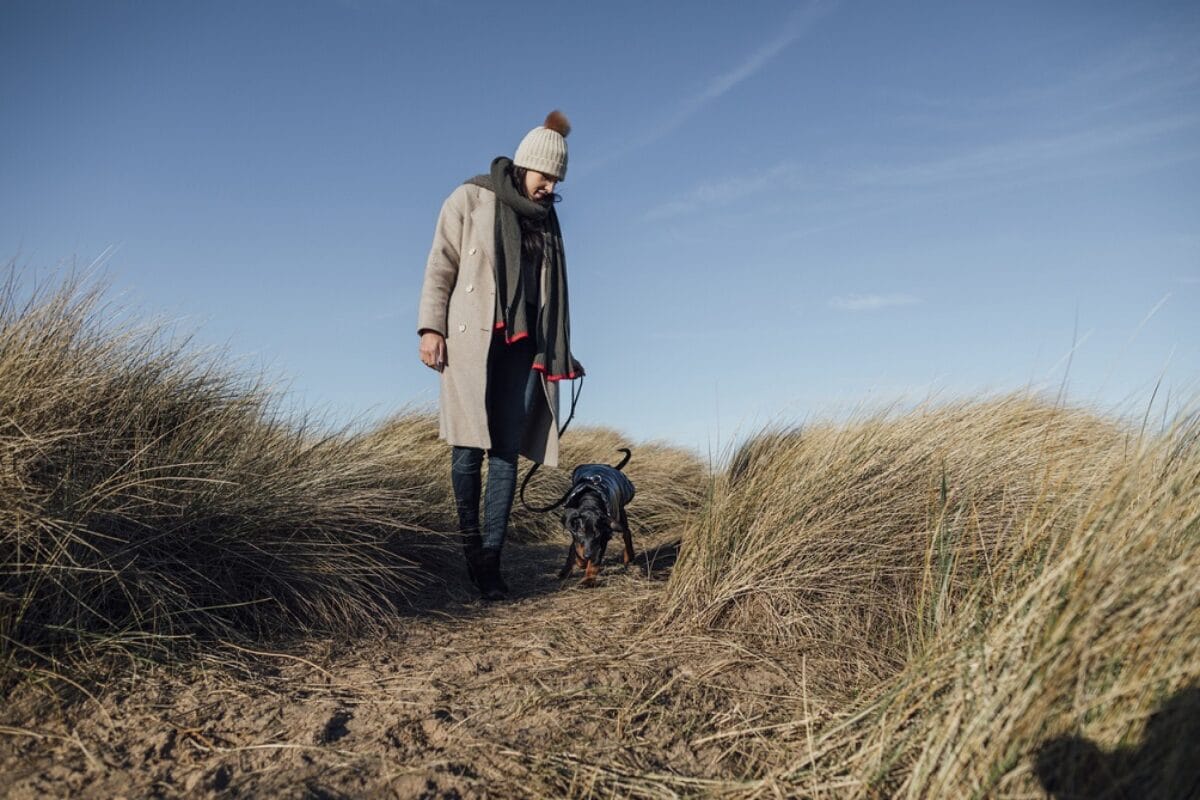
(539, 186)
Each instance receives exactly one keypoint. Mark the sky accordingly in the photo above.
(774, 212)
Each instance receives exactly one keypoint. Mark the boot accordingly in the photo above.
(491, 585)
(498, 576)
(472, 545)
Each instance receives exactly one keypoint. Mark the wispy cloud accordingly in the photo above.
(1130, 148)
(1123, 116)
(714, 194)
(798, 24)
(872, 302)
(1024, 156)
(1145, 74)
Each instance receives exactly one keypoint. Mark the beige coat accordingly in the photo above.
(458, 300)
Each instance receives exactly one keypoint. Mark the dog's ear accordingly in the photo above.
(570, 519)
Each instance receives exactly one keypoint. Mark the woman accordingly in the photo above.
(493, 320)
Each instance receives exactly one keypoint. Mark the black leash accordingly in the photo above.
(575, 392)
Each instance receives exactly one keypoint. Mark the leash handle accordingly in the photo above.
(574, 401)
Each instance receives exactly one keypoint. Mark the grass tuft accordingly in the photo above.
(147, 495)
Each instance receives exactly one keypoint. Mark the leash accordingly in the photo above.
(574, 401)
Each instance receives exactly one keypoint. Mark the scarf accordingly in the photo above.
(552, 327)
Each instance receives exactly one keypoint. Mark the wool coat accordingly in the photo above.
(458, 300)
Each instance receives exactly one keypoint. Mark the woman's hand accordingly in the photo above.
(432, 350)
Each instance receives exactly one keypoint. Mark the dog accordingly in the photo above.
(593, 510)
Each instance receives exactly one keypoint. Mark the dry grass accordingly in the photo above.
(999, 593)
(146, 494)
(979, 599)
(150, 495)
(866, 535)
(1079, 666)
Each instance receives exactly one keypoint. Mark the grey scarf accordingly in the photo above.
(552, 327)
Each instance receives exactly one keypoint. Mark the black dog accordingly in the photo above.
(593, 509)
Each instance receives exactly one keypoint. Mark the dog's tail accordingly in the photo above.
(625, 460)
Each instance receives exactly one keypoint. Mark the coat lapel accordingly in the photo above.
(483, 224)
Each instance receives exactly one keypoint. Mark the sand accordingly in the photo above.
(563, 690)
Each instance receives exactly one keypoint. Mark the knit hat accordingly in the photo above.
(545, 148)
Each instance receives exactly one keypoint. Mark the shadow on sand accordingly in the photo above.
(531, 571)
(1166, 765)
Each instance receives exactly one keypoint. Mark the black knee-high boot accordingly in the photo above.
(491, 585)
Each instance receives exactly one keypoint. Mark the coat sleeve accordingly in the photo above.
(441, 270)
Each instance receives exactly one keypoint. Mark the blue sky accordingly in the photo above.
(774, 210)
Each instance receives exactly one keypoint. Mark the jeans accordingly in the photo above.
(510, 392)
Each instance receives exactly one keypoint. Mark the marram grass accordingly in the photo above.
(149, 495)
(1011, 590)
(990, 598)
(146, 494)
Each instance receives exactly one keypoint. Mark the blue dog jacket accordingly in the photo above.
(612, 484)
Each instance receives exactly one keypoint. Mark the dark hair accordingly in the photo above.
(519, 173)
(532, 233)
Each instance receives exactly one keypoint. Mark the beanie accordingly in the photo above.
(545, 148)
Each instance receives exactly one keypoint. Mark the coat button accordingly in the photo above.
(470, 287)
(462, 328)
(473, 250)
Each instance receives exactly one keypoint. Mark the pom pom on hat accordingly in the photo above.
(545, 147)
(557, 122)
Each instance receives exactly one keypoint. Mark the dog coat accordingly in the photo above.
(612, 484)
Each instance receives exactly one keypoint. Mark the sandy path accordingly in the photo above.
(562, 690)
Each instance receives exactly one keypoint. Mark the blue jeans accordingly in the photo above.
(510, 392)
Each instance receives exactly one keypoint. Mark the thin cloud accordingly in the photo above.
(1151, 314)
(1026, 156)
(1126, 112)
(856, 190)
(872, 302)
(715, 194)
(1152, 70)
(798, 24)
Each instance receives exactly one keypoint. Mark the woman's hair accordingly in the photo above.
(519, 173)
(531, 233)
